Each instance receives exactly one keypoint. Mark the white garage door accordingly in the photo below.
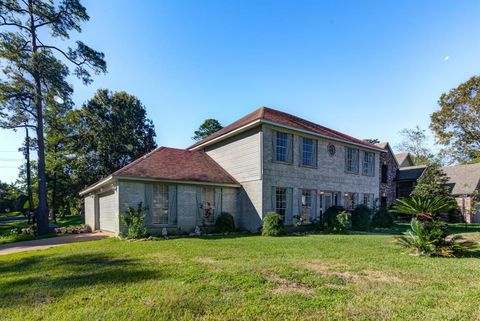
(106, 209)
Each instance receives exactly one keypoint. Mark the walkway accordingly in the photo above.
(46, 243)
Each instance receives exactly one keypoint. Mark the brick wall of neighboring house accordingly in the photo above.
(387, 190)
(465, 205)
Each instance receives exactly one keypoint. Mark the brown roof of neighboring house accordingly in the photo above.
(465, 179)
(402, 158)
(276, 117)
(174, 164)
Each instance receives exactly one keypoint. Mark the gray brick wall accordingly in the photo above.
(329, 175)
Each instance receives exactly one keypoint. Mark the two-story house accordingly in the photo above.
(267, 161)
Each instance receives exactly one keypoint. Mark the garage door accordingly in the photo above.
(107, 213)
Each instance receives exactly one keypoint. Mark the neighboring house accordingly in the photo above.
(465, 183)
(388, 172)
(404, 159)
(267, 161)
(406, 180)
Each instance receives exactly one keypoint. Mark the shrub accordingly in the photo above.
(329, 218)
(361, 217)
(430, 239)
(84, 228)
(382, 218)
(273, 225)
(225, 223)
(423, 208)
(134, 219)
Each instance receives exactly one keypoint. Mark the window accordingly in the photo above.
(351, 200)
(368, 167)
(283, 147)
(160, 204)
(309, 152)
(383, 201)
(368, 200)
(281, 201)
(384, 173)
(351, 160)
(307, 202)
(208, 205)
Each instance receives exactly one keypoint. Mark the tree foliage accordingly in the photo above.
(110, 131)
(414, 141)
(372, 140)
(208, 127)
(457, 124)
(35, 71)
(433, 182)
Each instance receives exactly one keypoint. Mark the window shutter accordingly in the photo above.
(289, 209)
(315, 153)
(172, 205)
(218, 202)
(274, 199)
(274, 146)
(313, 214)
(198, 220)
(289, 148)
(148, 202)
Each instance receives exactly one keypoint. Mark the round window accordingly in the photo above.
(331, 149)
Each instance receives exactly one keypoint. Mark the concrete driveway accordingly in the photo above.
(50, 242)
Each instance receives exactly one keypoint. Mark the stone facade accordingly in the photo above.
(327, 176)
(387, 184)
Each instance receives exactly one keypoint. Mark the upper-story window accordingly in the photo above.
(283, 143)
(351, 160)
(309, 152)
(384, 173)
(368, 167)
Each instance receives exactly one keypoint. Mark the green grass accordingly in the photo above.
(5, 228)
(320, 277)
(10, 214)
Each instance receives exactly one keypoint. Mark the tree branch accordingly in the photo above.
(18, 126)
(73, 61)
(57, 17)
(5, 23)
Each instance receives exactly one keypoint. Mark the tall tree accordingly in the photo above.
(34, 73)
(208, 127)
(414, 141)
(457, 124)
(111, 130)
(433, 182)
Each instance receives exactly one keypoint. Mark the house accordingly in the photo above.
(465, 183)
(267, 161)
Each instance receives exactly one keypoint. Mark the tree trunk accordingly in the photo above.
(42, 210)
(54, 197)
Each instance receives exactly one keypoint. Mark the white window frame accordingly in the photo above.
(351, 160)
(281, 202)
(309, 154)
(368, 165)
(160, 204)
(280, 149)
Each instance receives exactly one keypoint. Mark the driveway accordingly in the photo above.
(50, 242)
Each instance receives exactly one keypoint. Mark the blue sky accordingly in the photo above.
(367, 68)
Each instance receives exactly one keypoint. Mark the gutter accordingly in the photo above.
(159, 180)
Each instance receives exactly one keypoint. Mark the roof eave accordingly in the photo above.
(267, 122)
(97, 185)
(234, 132)
(184, 182)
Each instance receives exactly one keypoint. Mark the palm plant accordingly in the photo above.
(430, 238)
(423, 208)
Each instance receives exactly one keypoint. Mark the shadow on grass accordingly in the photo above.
(55, 276)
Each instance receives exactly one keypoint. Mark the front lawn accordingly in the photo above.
(230, 278)
(6, 227)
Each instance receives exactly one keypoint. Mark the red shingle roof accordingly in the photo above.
(281, 118)
(177, 165)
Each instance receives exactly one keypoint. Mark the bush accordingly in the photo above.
(361, 217)
(225, 223)
(382, 218)
(273, 225)
(329, 218)
(134, 219)
(84, 228)
(430, 239)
